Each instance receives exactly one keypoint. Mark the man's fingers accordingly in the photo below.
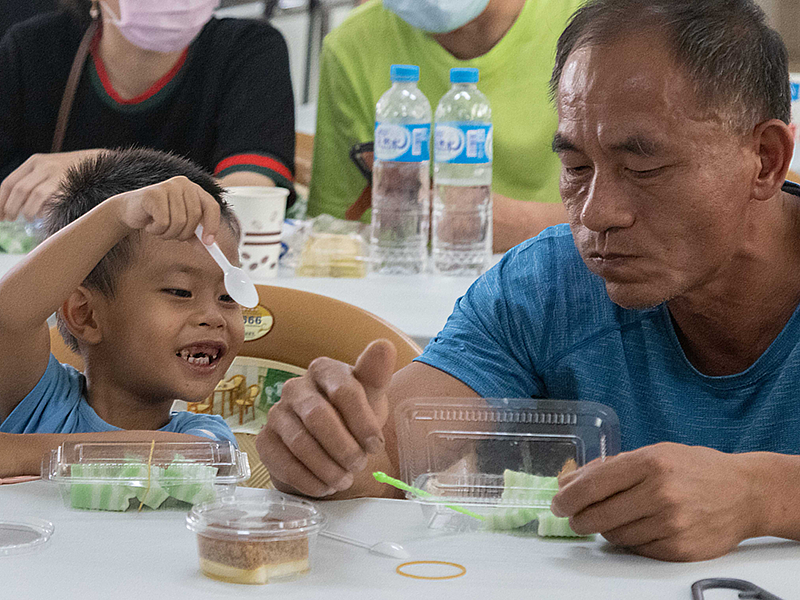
(306, 447)
(589, 486)
(283, 466)
(325, 424)
(615, 512)
(635, 533)
(570, 475)
(374, 370)
(347, 396)
(375, 366)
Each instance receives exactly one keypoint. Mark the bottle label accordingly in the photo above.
(402, 143)
(463, 143)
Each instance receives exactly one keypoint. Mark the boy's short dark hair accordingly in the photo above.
(110, 173)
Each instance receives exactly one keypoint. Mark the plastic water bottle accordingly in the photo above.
(462, 178)
(401, 177)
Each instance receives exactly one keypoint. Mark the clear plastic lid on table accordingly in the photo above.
(488, 453)
(114, 475)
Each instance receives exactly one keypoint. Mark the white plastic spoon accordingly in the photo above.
(237, 282)
(391, 549)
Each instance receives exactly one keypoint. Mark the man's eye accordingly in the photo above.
(178, 292)
(646, 173)
(577, 170)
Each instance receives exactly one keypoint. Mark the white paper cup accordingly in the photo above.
(260, 210)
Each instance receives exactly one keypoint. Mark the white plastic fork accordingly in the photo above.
(390, 549)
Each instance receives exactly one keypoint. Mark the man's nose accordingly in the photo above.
(607, 205)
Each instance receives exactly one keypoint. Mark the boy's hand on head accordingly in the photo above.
(171, 209)
(327, 421)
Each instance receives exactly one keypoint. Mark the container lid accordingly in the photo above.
(404, 73)
(464, 75)
(134, 463)
(259, 519)
(498, 450)
(26, 535)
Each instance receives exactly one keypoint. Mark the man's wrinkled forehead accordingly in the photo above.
(635, 76)
(639, 63)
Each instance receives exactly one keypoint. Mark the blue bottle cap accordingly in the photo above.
(464, 75)
(404, 73)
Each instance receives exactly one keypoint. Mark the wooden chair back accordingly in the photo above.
(307, 325)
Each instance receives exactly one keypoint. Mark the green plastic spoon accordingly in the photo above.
(382, 477)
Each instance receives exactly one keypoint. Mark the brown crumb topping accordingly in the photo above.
(250, 554)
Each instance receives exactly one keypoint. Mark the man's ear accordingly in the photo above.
(79, 313)
(775, 144)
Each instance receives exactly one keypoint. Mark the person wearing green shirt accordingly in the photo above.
(511, 42)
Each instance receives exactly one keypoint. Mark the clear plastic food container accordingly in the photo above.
(497, 458)
(333, 255)
(117, 476)
(256, 541)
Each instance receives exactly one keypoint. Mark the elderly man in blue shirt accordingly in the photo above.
(672, 296)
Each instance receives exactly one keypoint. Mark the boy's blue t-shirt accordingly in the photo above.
(540, 324)
(57, 405)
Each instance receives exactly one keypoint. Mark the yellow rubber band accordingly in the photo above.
(149, 462)
(461, 568)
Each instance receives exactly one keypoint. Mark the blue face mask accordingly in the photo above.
(436, 16)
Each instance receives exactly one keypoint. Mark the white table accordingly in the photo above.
(418, 304)
(152, 555)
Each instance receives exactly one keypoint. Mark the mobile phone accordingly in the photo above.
(362, 154)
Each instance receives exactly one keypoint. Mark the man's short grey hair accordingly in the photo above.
(736, 63)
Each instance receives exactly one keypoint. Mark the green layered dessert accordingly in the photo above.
(536, 492)
(101, 486)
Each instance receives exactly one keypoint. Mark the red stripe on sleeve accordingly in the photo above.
(257, 160)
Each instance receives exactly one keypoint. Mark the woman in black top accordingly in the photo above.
(223, 100)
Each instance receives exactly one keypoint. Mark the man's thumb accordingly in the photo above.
(375, 366)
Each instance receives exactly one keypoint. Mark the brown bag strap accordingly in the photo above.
(360, 206)
(72, 81)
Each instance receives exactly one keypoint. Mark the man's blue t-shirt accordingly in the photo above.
(540, 324)
(57, 405)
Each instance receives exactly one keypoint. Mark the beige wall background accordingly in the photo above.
(784, 15)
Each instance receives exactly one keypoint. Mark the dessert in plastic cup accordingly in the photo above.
(255, 541)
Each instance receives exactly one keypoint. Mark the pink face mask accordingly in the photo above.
(161, 25)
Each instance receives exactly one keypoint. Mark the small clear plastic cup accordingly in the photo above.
(497, 457)
(256, 541)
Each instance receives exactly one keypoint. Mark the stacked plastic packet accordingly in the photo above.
(498, 458)
(116, 476)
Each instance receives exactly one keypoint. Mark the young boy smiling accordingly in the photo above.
(136, 294)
